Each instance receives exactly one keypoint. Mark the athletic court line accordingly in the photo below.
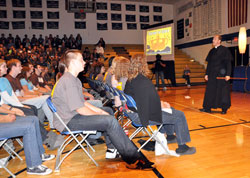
(219, 117)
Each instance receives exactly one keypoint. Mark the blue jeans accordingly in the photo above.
(40, 102)
(28, 128)
(172, 123)
(34, 112)
(115, 137)
(187, 77)
(161, 75)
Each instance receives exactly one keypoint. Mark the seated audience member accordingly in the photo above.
(31, 67)
(15, 68)
(9, 96)
(99, 70)
(41, 39)
(38, 81)
(79, 41)
(109, 73)
(86, 54)
(12, 126)
(100, 50)
(186, 75)
(102, 43)
(61, 69)
(51, 139)
(5, 89)
(90, 98)
(120, 72)
(80, 115)
(27, 85)
(45, 75)
(149, 107)
(94, 57)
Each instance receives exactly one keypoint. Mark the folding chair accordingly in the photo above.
(152, 134)
(3, 142)
(72, 136)
(108, 95)
(117, 93)
(99, 87)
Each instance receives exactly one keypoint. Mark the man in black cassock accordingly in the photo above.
(217, 93)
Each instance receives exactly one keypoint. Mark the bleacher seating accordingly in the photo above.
(181, 59)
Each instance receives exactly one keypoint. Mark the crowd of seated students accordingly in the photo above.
(23, 122)
(45, 52)
(24, 84)
(79, 114)
(18, 91)
(95, 56)
(53, 41)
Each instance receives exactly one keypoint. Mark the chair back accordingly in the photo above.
(91, 83)
(130, 101)
(109, 92)
(51, 105)
(72, 136)
(53, 109)
(121, 95)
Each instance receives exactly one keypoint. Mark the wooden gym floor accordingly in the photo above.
(222, 143)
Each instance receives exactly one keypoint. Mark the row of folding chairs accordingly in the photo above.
(130, 102)
(83, 134)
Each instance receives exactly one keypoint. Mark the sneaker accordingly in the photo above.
(188, 151)
(141, 165)
(156, 88)
(112, 154)
(164, 88)
(39, 170)
(46, 157)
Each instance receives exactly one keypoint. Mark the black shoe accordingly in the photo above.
(100, 141)
(141, 165)
(224, 111)
(205, 110)
(187, 151)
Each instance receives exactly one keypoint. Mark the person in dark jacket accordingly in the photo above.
(150, 110)
(159, 71)
(217, 93)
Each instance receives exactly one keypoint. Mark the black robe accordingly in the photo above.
(217, 93)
